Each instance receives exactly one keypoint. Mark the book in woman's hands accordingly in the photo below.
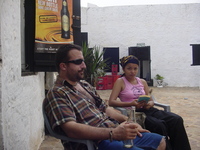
(145, 98)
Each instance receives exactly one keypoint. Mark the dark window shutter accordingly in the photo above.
(111, 53)
(195, 54)
(29, 6)
(143, 54)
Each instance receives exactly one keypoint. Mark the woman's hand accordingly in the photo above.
(148, 105)
(137, 104)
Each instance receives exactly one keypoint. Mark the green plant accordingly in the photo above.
(159, 77)
(93, 58)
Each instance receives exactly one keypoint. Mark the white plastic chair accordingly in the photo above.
(90, 144)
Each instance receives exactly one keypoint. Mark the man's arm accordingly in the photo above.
(82, 131)
(115, 114)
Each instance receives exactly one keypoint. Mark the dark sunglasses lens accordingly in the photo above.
(78, 61)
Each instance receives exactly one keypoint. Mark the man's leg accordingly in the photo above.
(150, 141)
(114, 145)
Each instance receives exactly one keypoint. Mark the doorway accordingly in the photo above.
(143, 54)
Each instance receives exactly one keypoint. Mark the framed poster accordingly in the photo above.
(48, 25)
(53, 24)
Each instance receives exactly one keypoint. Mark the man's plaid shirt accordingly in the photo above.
(64, 103)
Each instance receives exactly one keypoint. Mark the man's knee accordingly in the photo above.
(162, 145)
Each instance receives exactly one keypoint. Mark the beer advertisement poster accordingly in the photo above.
(53, 24)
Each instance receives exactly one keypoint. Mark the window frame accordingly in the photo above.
(43, 62)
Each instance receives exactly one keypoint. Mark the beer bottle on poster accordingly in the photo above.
(65, 21)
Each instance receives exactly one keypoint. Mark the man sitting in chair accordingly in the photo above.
(74, 108)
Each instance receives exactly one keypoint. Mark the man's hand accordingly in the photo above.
(125, 131)
(140, 130)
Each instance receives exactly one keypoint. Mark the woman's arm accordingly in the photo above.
(146, 89)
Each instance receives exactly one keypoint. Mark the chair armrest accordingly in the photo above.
(122, 110)
(164, 106)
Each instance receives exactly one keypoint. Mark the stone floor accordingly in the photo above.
(183, 101)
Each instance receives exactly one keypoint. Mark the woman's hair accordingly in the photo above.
(62, 55)
(128, 59)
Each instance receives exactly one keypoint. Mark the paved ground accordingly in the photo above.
(183, 101)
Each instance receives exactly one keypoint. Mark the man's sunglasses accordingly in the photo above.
(77, 61)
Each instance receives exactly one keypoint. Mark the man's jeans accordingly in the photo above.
(148, 141)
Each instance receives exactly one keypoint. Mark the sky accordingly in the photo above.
(104, 3)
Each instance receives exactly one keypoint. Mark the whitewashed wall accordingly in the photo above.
(167, 29)
(1, 131)
(21, 96)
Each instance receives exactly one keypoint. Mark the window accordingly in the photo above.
(195, 54)
(112, 54)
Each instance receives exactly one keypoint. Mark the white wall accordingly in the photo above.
(21, 96)
(1, 134)
(167, 29)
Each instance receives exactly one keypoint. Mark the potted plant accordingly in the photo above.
(93, 59)
(159, 80)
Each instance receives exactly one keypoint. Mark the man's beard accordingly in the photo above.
(80, 75)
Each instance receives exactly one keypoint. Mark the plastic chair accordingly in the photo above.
(90, 144)
(164, 106)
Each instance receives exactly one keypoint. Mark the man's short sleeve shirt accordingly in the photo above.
(64, 103)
